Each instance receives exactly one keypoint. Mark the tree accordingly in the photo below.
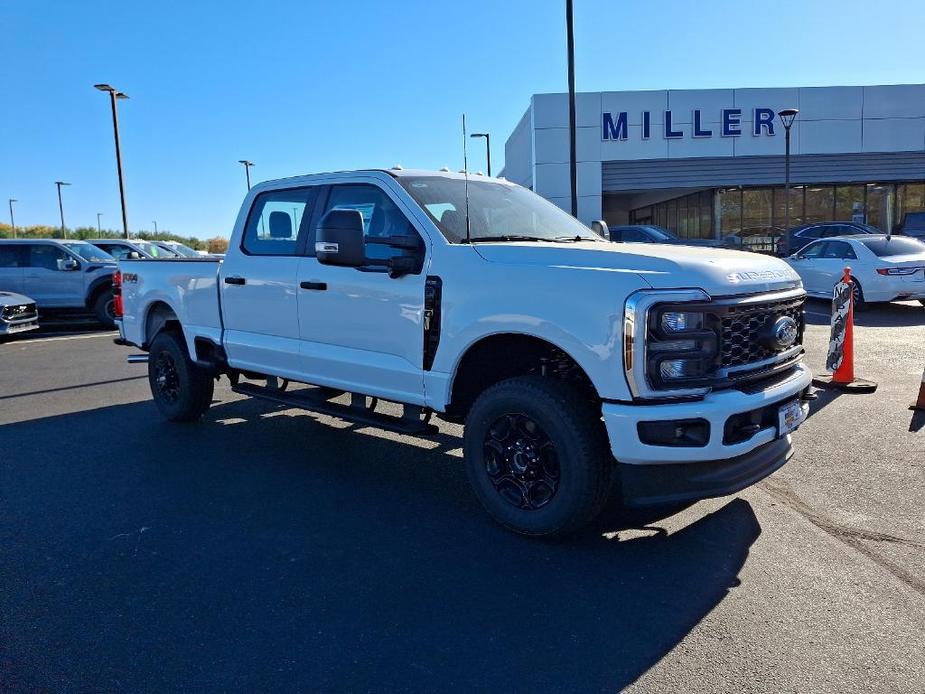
(217, 244)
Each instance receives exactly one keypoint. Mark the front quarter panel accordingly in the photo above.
(578, 310)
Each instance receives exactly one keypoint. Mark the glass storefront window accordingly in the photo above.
(756, 209)
(706, 215)
(849, 204)
(880, 206)
(672, 220)
(780, 207)
(910, 197)
(820, 203)
(730, 211)
(683, 228)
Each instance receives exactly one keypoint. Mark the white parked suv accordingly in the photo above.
(578, 366)
(59, 275)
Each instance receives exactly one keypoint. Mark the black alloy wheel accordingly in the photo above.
(521, 461)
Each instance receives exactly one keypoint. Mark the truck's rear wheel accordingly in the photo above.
(537, 456)
(182, 390)
(104, 309)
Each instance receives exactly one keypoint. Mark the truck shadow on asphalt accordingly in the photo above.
(267, 551)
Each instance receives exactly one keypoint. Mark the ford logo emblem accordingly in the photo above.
(784, 333)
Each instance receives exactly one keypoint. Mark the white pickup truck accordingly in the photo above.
(667, 373)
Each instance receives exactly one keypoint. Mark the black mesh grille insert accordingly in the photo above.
(742, 330)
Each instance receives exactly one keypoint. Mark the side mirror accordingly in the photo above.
(600, 226)
(340, 239)
(67, 264)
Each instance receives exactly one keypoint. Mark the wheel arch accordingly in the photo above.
(158, 316)
(498, 356)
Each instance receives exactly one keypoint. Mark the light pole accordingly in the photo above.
(61, 207)
(247, 170)
(487, 148)
(787, 116)
(573, 165)
(114, 95)
(12, 221)
(154, 222)
(99, 231)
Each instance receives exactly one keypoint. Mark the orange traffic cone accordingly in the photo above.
(843, 377)
(919, 404)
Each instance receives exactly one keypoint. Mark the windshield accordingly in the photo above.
(154, 250)
(89, 252)
(180, 249)
(497, 211)
(896, 245)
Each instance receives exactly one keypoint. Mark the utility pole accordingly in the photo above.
(154, 222)
(99, 231)
(61, 207)
(12, 220)
(115, 94)
(573, 165)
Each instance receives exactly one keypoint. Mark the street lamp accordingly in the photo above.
(12, 221)
(787, 116)
(98, 230)
(61, 207)
(487, 148)
(114, 95)
(572, 159)
(154, 222)
(247, 170)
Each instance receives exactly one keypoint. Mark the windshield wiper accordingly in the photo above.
(576, 238)
(508, 237)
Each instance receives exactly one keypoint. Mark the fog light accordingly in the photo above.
(689, 433)
(673, 369)
(679, 321)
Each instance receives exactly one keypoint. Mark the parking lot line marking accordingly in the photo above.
(62, 337)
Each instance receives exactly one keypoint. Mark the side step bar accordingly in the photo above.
(410, 422)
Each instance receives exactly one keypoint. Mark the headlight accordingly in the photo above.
(680, 321)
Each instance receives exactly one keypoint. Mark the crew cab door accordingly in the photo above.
(53, 277)
(12, 260)
(259, 288)
(361, 329)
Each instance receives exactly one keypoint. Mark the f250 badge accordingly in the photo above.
(757, 275)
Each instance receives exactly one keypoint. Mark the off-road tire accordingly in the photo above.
(103, 309)
(182, 391)
(572, 424)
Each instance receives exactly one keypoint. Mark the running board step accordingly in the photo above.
(409, 423)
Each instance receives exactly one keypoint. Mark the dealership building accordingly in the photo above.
(710, 163)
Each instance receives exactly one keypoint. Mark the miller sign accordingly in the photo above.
(614, 126)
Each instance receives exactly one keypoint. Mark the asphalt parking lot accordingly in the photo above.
(268, 549)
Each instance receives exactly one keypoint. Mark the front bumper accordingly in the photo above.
(651, 485)
(717, 407)
(14, 328)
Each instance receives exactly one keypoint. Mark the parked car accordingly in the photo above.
(570, 360)
(807, 233)
(652, 233)
(17, 314)
(913, 224)
(121, 249)
(883, 268)
(59, 274)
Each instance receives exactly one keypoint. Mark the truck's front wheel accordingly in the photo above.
(537, 456)
(182, 390)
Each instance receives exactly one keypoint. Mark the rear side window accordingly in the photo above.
(276, 221)
(811, 233)
(839, 249)
(12, 255)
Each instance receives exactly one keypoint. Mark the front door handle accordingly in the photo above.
(317, 286)
(235, 280)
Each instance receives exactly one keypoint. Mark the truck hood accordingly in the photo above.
(717, 271)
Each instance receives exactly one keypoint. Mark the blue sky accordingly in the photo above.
(299, 87)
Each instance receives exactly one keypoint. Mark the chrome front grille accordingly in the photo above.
(18, 312)
(743, 328)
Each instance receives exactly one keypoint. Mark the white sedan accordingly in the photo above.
(884, 268)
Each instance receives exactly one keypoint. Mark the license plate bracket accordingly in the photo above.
(789, 417)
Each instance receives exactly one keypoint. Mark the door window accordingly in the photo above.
(381, 216)
(46, 256)
(839, 249)
(11, 256)
(277, 220)
(814, 250)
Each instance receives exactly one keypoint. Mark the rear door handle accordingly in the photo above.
(235, 280)
(317, 286)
